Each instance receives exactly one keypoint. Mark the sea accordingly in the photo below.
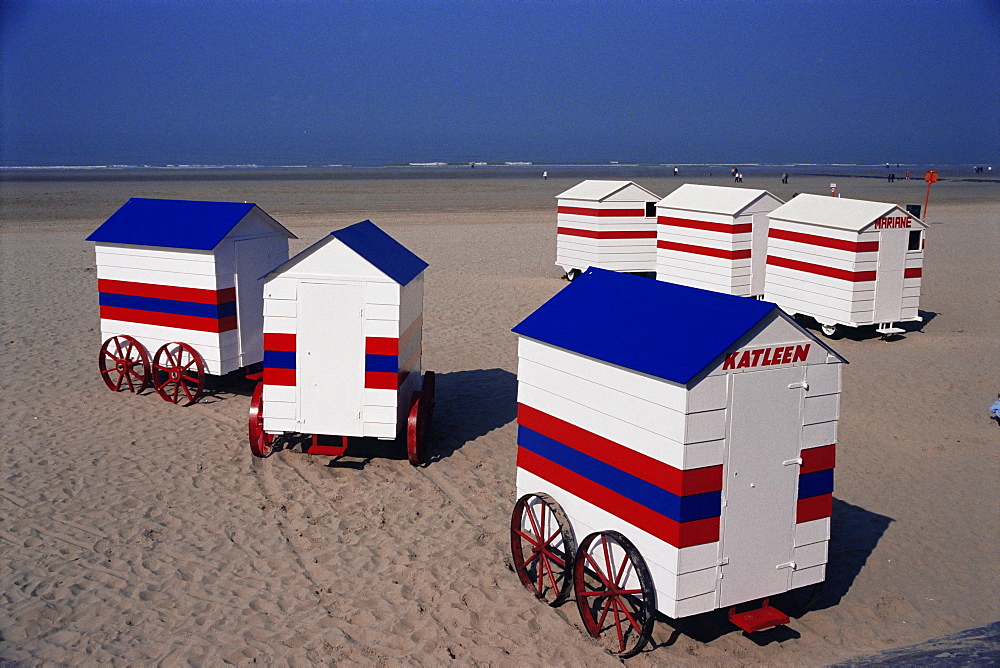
(526, 169)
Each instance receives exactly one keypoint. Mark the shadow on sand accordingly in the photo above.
(470, 404)
(854, 534)
(867, 332)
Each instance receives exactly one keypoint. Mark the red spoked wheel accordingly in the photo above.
(543, 546)
(614, 592)
(260, 440)
(124, 364)
(178, 373)
(419, 420)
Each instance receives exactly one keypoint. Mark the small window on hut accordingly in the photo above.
(650, 209)
(914, 244)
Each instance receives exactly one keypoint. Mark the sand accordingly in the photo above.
(137, 532)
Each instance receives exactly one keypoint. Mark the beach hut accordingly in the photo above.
(714, 237)
(845, 262)
(343, 323)
(181, 278)
(606, 224)
(686, 439)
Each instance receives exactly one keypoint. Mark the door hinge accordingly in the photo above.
(787, 564)
(804, 385)
(789, 462)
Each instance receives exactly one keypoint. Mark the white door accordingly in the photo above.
(759, 491)
(251, 262)
(330, 357)
(889, 279)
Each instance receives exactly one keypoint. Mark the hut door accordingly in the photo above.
(330, 357)
(889, 279)
(758, 515)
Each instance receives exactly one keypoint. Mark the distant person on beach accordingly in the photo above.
(545, 176)
(784, 177)
(995, 410)
(675, 171)
(907, 176)
(739, 177)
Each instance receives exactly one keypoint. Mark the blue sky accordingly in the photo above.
(369, 81)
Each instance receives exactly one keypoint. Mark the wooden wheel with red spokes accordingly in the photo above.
(543, 546)
(260, 441)
(124, 364)
(419, 420)
(614, 592)
(178, 373)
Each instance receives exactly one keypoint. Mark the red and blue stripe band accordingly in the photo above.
(674, 480)
(194, 309)
(815, 498)
(632, 488)
(381, 363)
(197, 295)
(279, 359)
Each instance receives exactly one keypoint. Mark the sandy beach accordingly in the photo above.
(135, 532)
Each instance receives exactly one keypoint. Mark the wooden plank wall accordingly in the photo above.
(704, 250)
(146, 268)
(609, 235)
(654, 420)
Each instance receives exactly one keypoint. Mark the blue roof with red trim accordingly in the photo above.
(665, 330)
(174, 223)
(373, 244)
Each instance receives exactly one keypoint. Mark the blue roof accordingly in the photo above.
(172, 223)
(666, 330)
(369, 241)
(391, 257)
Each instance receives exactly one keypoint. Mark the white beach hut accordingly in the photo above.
(343, 323)
(714, 237)
(606, 224)
(685, 438)
(845, 262)
(181, 278)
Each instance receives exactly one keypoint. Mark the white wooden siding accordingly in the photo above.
(830, 299)
(632, 255)
(169, 267)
